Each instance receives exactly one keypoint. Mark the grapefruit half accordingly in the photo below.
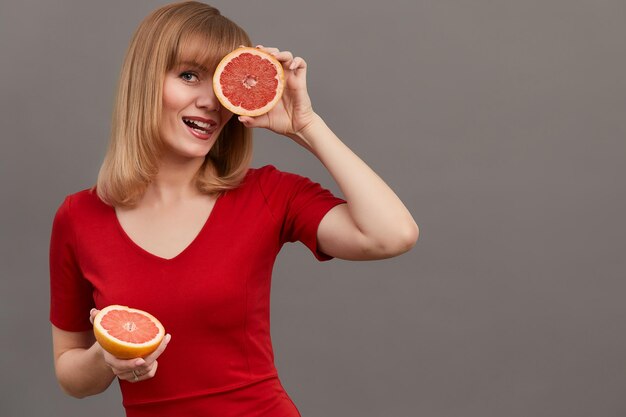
(248, 81)
(126, 332)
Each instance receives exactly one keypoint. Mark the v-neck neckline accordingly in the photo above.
(186, 249)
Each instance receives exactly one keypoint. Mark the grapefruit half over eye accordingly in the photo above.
(248, 81)
(126, 332)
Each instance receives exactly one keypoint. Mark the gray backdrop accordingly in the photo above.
(501, 124)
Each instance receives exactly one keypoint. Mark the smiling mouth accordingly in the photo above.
(199, 126)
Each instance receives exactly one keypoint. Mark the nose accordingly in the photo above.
(207, 100)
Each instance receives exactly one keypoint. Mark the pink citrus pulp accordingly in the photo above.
(249, 81)
(126, 332)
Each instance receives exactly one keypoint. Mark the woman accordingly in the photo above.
(179, 226)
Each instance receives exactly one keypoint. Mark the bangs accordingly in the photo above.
(206, 42)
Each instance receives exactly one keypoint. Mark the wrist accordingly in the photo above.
(307, 133)
(98, 353)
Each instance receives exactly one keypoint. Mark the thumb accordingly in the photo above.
(259, 121)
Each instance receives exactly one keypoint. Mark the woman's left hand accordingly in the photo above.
(294, 111)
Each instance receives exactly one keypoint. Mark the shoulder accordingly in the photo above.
(265, 171)
(81, 203)
(269, 176)
(82, 199)
(275, 187)
(286, 188)
(83, 215)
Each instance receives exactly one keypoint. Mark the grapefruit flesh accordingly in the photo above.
(126, 332)
(249, 82)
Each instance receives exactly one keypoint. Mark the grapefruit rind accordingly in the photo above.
(217, 86)
(120, 348)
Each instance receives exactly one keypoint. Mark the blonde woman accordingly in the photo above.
(180, 226)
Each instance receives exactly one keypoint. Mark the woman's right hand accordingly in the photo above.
(133, 370)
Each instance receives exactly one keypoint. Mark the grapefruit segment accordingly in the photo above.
(126, 332)
(248, 81)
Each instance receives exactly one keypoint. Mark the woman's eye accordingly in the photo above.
(189, 76)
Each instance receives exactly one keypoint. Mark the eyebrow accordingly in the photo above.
(194, 65)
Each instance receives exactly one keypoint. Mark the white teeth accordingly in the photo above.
(202, 124)
(198, 123)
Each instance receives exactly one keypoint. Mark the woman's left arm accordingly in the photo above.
(374, 224)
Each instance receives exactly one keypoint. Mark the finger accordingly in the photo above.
(251, 122)
(92, 314)
(136, 375)
(127, 375)
(297, 64)
(268, 49)
(121, 366)
(123, 373)
(284, 56)
(132, 376)
(144, 367)
(148, 369)
(296, 73)
(124, 366)
(154, 355)
(152, 371)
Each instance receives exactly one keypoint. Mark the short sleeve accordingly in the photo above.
(298, 205)
(71, 295)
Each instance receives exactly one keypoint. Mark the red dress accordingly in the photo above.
(213, 297)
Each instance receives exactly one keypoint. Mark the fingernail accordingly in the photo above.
(139, 362)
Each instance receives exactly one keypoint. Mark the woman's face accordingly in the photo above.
(192, 116)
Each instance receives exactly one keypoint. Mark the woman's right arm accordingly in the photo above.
(83, 368)
(79, 363)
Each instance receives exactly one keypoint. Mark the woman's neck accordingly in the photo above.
(174, 181)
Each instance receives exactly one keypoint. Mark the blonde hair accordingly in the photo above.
(165, 37)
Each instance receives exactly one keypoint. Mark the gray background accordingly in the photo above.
(501, 124)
